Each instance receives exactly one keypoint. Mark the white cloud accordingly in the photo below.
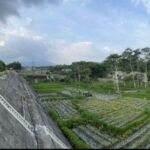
(29, 22)
(145, 3)
(67, 53)
(2, 43)
(108, 49)
(142, 35)
(19, 44)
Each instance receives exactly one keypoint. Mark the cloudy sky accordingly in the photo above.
(41, 32)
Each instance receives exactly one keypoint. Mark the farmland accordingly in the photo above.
(103, 120)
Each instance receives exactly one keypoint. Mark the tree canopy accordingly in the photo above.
(2, 65)
(130, 60)
(13, 65)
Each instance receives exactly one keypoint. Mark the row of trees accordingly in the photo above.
(80, 71)
(13, 65)
(136, 62)
(84, 71)
(129, 61)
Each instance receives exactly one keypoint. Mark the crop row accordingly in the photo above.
(115, 113)
(97, 138)
(63, 108)
(139, 139)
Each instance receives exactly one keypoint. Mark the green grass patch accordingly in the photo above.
(48, 87)
(143, 94)
(4, 72)
(147, 110)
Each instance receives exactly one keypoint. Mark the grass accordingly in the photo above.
(48, 87)
(100, 87)
(74, 139)
(4, 72)
(147, 110)
(144, 94)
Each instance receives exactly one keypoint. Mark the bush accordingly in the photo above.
(128, 78)
(74, 140)
(15, 65)
(147, 110)
(53, 114)
(74, 122)
(2, 66)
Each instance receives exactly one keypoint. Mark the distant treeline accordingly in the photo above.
(13, 65)
(137, 60)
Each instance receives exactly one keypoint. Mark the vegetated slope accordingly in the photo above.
(23, 123)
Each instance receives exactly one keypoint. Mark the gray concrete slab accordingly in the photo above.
(13, 133)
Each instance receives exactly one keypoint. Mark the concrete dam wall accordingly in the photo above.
(23, 123)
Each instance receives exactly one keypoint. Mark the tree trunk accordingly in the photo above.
(132, 74)
(116, 79)
(146, 77)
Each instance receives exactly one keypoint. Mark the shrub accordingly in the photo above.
(147, 110)
(53, 114)
(128, 78)
(2, 66)
(74, 140)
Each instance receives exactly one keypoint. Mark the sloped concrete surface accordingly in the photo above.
(19, 110)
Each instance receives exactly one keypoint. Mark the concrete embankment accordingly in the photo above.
(23, 123)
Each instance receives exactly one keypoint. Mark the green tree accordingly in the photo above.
(127, 60)
(2, 66)
(15, 65)
(111, 61)
(98, 71)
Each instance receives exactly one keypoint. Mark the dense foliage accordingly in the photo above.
(2, 66)
(130, 60)
(13, 65)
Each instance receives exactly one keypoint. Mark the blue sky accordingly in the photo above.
(63, 31)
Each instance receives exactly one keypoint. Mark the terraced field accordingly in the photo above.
(99, 139)
(63, 108)
(139, 139)
(138, 103)
(94, 137)
(118, 113)
(99, 122)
